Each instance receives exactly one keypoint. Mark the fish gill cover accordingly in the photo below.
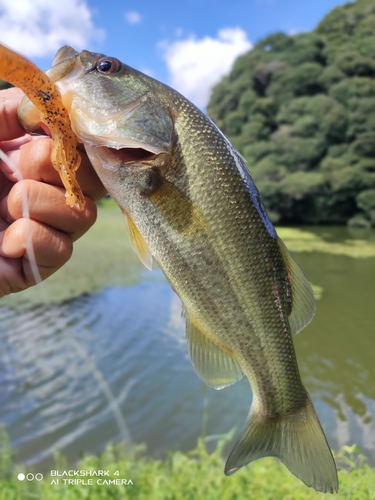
(301, 110)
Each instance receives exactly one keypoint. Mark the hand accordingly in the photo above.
(53, 226)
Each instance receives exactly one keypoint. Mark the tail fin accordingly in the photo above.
(297, 440)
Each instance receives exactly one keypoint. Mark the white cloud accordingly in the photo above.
(296, 31)
(195, 66)
(38, 28)
(133, 17)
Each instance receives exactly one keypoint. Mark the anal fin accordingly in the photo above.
(214, 365)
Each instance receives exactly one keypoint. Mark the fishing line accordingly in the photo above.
(30, 253)
(114, 406)
(26, 215)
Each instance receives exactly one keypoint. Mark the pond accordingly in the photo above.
(97, 353)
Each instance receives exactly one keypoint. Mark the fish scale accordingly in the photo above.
(190, 204)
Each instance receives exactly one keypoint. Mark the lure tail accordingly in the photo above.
(297, 440)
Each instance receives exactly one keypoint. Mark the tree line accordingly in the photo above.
(301, 110)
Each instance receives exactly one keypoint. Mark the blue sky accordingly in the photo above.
(189, 44)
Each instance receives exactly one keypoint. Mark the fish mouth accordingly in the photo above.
(125, 155)
(132, 155)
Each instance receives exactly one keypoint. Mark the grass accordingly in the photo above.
(194, 475)
(298, 240)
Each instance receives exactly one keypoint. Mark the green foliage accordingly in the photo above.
(296, 81)
(301, 110)
(329, 76)
(352, 87)
(366, 200)
(354, 63)
(187, 476)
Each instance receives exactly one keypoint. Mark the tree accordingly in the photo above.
(301, 110)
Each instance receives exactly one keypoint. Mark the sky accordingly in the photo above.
(190, 44)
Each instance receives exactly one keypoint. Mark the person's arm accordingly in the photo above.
(53, 226)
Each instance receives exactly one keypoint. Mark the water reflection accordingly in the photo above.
(79, 373)
(337, 348)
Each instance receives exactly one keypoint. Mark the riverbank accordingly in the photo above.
(104, 256)
(198, 474)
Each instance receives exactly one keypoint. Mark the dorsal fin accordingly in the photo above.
(303, 302)
(138, 242)
(215, 366)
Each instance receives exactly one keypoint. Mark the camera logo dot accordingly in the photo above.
(30, 477)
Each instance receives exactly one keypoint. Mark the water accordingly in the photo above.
(99, 354)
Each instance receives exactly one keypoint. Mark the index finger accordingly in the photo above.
(9, 124)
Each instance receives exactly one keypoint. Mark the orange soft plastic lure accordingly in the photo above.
(44, 94)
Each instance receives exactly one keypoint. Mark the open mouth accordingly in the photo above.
(130, 155)
(126, 155)
(135, 154)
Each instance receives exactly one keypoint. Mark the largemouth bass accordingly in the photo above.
(190, 204)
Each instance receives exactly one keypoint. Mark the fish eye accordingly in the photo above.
(108, 65)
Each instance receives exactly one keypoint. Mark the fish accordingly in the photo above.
(46, 107)
(191, 205)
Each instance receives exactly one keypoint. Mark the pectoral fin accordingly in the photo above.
(303, 302)
(215, 366)
(178, 211)
(138, 242)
